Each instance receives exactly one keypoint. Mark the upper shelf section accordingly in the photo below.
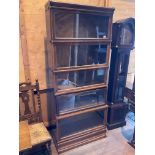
(82, 8)
(97, 3)
(79, 25)
(77, 22)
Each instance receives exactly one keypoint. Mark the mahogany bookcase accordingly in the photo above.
(79, 43)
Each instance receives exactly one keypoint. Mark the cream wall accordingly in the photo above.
(21, 65)
(123, 8)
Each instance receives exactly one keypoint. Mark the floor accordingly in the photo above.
(116, 142)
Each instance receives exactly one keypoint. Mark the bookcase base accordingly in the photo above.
(79, 139)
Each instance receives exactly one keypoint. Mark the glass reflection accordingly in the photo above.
(78, 55)
(75, 25)
(80, 78)
(77, 100)
(80, 122)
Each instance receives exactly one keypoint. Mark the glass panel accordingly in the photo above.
(122, 75)
(80, 122)
(77, 100)
(78, 55)
(72, 25)
(120, 88)
(131, 71)
(80, 78)
(93, 26)
(126, 35)
(64, 24)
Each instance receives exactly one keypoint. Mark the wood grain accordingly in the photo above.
(24, 136)
(21, 65)
(23, 44)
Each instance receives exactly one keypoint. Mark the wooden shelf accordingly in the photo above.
(78, 68)
(81, 40)
(81, 111)
(79, 89)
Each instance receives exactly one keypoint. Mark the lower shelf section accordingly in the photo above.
(79, 123)
(80, 129)
(79, 139)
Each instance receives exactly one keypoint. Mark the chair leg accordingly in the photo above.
(49, 148)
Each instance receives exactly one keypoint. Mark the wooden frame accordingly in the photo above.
(81, 39)
(88, 135)
(119, 52)
(77, 7)
(81, 109)
(117, 30)
(83, 67)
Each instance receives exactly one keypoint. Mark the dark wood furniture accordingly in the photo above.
(122, 45)
(32, 132)
(79, 43)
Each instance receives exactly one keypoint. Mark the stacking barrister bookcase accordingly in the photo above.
(79, 42)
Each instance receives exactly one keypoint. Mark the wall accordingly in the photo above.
(123, 8)
(21, 65)
(32, 15)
